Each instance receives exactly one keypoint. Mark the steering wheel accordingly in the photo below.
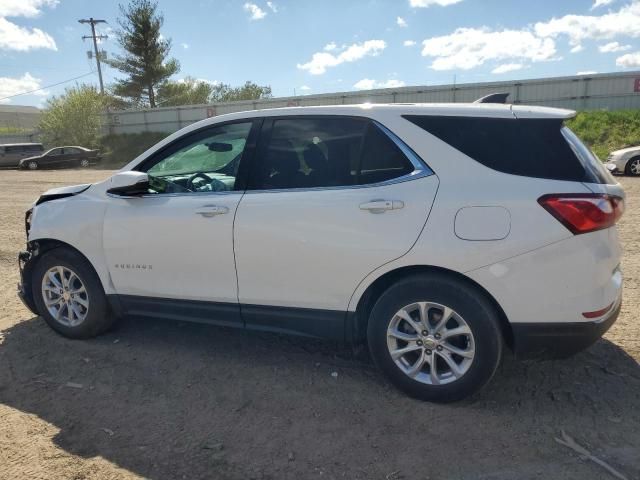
(194, 177)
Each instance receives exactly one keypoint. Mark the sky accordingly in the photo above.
(319, 46)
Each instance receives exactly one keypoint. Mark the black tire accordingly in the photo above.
(98, 317)
(84, 163)
(478, 313)
(627, 168)
(32, 165)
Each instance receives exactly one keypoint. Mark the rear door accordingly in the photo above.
(329, 200)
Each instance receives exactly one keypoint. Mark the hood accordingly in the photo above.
(35, 157)
(62, 192)
(625, 150)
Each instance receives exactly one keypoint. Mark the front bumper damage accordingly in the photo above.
(25, 265)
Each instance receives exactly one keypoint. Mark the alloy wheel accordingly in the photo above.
(84, 163)
(65, 296)
(430, 343)
(634, 167)
(33, 165)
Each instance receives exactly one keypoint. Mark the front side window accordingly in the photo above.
(325, 152)
(206, 162)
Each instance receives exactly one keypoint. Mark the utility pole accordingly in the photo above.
(92, 21)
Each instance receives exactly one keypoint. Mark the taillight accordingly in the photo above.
(583, 212)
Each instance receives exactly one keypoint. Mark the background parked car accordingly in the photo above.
(62, 157)
(625, 161)
(12, 153)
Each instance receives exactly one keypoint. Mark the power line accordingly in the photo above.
(92, 21)
(47, 86)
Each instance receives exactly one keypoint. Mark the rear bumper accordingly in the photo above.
(560, 340)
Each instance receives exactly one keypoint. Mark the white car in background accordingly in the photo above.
(437, 234)
(625, 161)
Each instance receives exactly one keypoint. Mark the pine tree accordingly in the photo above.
(145, 59)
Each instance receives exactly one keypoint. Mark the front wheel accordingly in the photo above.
(69, 296)
(32, 165)
(435, 337)
(633, 167)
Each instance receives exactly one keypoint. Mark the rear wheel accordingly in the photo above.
(69, 295)
(32, 165)
(633, 167)
(434, 337)
(84, 163)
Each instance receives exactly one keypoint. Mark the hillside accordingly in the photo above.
(607, 131)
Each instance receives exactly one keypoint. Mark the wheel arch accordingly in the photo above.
(358, 324)
(627, 163)
(40, 246)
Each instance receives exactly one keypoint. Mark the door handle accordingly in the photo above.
(381, 206)
(212, 210)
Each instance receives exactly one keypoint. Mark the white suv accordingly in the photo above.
(435, 233)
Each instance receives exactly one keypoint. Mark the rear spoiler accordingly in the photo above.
(494, 98)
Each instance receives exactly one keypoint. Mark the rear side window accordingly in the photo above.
(320, 152)
(527, 147)
(23, 149)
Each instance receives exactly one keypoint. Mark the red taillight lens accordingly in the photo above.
(583, 213)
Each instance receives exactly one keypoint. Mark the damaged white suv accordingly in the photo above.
(438, 234)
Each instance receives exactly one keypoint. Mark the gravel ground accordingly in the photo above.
(167, 400)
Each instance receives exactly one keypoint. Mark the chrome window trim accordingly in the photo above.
(416, 174)
(177, 194)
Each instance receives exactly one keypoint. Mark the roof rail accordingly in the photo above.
(494, 98)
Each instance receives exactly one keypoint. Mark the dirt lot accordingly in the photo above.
(170, 400)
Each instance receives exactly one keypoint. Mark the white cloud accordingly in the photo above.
(14, 37)
(24, 8)
(12, 86)
(601, 3)
(507, 67)
(613, 47)
(577, 49)
(409, 43)
(368, 84)
(577, 28)
(587, 72)
(467, 48)
(630, 60)
(428, 3)
(401, 22)
(320, 61)
(185, 46)
(305, 88)
(330, 47)
(255, 12)
(273, 7)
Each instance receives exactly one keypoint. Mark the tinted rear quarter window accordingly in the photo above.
(527, 147)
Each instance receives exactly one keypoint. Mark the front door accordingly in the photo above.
(170, 253)
(330, 199)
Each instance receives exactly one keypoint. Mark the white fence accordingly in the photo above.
(610, 91)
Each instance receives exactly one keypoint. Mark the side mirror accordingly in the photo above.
(129, 184)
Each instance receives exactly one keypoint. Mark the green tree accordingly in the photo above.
(74, 118)
(186, 92)
(249, 91)
(145, 61)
